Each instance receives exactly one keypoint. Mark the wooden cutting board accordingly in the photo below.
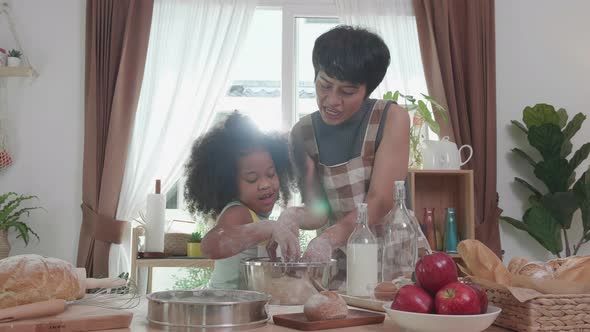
(75, 318)
(354, 318)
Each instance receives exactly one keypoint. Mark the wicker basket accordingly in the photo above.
(545, 313)
(175, 243)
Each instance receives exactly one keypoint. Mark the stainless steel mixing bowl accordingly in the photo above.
(210, 309)
(290, 283)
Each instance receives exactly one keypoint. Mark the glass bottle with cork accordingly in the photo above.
(400, 239)
(361, 256)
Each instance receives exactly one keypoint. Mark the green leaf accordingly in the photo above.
(566, 149)
(4, 197)
(516, 223)
(582, 193)
(520, 126)
(388, 96)
(524, 156)
(573, 126)
(547, 139)
(562, 206)
(539, 115)
(580, 156)
(527, 185)
(562, 113)
(543, 228)
(554, 173)
(442, 111)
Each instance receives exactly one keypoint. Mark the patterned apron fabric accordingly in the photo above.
(345, 185)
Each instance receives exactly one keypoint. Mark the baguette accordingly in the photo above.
(483, 263)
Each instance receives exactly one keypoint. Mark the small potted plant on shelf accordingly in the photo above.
(14, 58)
(193, 247)
(11, 217)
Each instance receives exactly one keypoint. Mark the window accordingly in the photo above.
(272, 80)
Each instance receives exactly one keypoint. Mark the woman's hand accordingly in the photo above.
(292, 217)
(319, 250)
(287, 241)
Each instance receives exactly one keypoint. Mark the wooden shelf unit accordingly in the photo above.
(21, 71)
(150, 263)
(441, 189)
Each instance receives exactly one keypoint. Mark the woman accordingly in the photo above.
(353, 148)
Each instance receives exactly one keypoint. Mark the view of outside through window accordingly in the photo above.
(255, 90)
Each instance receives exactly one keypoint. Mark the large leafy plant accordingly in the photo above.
(551, 211)
(12, 213)
(422, 115)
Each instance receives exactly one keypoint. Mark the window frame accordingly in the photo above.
(291, 10)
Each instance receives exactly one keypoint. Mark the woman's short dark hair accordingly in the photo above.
(212, 169)
(351, 54)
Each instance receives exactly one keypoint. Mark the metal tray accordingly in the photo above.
(210, 309)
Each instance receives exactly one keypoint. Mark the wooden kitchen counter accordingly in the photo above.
(140, 323)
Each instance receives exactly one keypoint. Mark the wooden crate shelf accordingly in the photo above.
(441, 189)
(21, 71)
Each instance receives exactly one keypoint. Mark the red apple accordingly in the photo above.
(414, 299)
(483, 297)
(435, 271)
(457, 299)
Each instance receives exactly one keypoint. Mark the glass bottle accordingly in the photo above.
(361, 256)
(451, 232)
(429, 227)
(400, 239)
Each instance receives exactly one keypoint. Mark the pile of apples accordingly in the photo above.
(438, 290)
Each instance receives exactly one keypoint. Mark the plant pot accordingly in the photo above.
(4, 244)
(193, 249)
(13, 61)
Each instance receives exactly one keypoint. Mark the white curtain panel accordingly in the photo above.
(192, 46)
(395, 22)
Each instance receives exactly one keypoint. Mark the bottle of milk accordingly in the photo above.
(361, 256)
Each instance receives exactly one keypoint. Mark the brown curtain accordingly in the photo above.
(457, 42)
(117, 34)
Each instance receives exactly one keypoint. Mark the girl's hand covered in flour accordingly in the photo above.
(287, 241)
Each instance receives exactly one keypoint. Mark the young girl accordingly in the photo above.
(236, 173)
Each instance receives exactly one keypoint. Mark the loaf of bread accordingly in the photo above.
(325, 305)
(575, 268)
(32, 278)
(536, 270)
(516, 263)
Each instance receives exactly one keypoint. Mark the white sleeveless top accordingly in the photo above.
(226, 272)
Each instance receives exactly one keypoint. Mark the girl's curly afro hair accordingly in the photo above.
(212, 170)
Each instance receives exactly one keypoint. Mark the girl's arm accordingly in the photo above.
(235, 232)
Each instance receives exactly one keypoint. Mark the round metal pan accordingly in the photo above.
(207, 309)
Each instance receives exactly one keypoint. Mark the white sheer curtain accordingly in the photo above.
(395, 22)
(192, 46)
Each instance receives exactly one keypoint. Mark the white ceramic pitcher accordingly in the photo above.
(444, 154)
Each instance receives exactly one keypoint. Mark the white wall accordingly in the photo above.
(543, 56)
(46, 121)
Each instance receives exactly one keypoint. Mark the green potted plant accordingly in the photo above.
(14, 58)
(11, 217)
(193, 246)
(422, 115)
(551, 211)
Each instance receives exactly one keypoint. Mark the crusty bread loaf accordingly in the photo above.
(536, 270)
(325, 305)
(516, 263)
(33, 278)
(576, 268)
